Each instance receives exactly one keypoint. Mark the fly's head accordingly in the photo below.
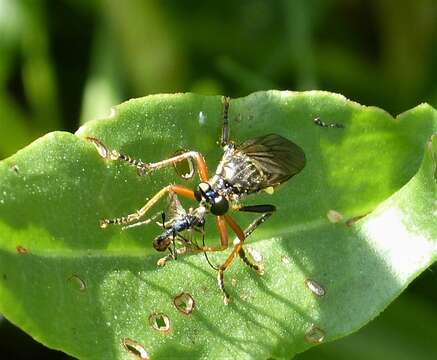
(211, 199)
(163, 241)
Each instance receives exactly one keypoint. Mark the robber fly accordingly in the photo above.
(258, 164)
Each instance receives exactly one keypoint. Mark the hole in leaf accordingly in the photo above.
(315, 287)
(101, 149)
(21, 250)
(78, 282)
(315, 335)
(185, 168)
(160, 322)
(184, 302)
(353, 220)
(135, 349)
(285, 259)
(202, 118)
(334, 216)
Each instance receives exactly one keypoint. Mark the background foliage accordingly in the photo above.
(65, 62)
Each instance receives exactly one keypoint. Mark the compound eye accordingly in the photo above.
(204, 187)
(198, 194)
(201, 190)
(220, 206)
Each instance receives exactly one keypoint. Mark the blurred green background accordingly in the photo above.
(68, 61)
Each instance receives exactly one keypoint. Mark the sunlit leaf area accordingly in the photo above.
(345, 264)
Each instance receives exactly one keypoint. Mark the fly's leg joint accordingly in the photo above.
(142, 167)
(255, 266)
(114, 155)
(163, 261)
(104, 223)
(226, 100)
(221, 284)
(119, 221)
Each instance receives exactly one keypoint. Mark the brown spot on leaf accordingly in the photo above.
(135, 349)
(185, 303)
(21, 250)
(353, 220)
(160, 322)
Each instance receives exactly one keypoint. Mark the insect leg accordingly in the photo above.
(223, 232)
(202, 169)
(193, 248)
(162, 261)
(321, 123)
(144, 222)
(267, 211)
(144, 168)
(190, 247)
(173, 251)
(237, 245)
(224, 140)
(137, 215)
(115, 155)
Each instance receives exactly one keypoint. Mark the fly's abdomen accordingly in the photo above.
(180, 225)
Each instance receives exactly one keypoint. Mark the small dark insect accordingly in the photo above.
(258, 164)
(321, 123)
(178, 226)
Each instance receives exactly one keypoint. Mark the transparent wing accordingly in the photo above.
(174, 207)
(277, 157)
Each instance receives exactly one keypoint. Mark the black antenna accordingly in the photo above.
(163, 220)
(204, 252)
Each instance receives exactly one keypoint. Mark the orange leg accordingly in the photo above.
(196, 156)
(144, 168)
(235, 227)
(137, 215)
(224, 239)
(238, 248)
(223, 232)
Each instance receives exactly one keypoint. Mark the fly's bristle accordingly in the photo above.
(137, 163)
(120, 221)
(117, 221)
(243, 257)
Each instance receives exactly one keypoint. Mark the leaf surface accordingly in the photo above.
(82, 289)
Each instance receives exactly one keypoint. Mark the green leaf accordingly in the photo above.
(81, 289)
(404, 331)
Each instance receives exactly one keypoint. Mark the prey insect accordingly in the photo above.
(178, 225)
(258, 164)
